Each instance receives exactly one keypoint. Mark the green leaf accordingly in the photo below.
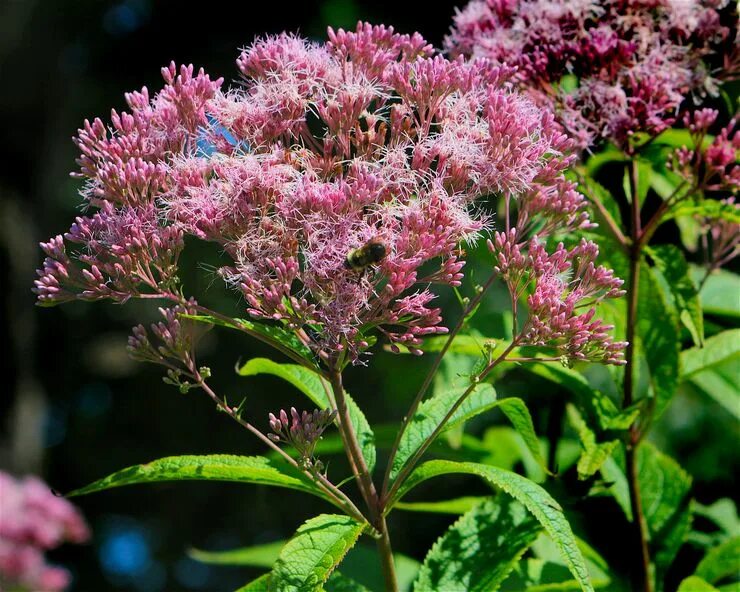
(455, 506)
(214, 467)
(539, 503)
(432, 411)
(317, 547)
(709, 208)
(254, 556)
(363, 565)
(678, 138)
(594, 454)
(479, 551)
(613, 473)
(715, 369)
(270, 333)
(316, 388)
(545, 571)
(598, 192)
(658, 340)
(664, 491)
(717, 350)
(674, 270)
(721, 562)
(261, 584)
(719, 291)
(695, 584)
(338, 582)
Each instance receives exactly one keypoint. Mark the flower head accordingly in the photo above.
(632, 62)
(32, 520)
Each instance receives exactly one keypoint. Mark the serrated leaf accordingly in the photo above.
(720, 562)
(316, 388)
(480, 549)
(318, 546)
(664, 490)
(256, 470)
(613, 473)
(539, 503)
(269, 333)
(709, 208)
(338, 582)
(455, 506)
(717, 350)
(658, 340)
(695, 584)
(483, 398)
(431, 412)
(254, 556)
(594, 453)
(545, 571)
(672, 266)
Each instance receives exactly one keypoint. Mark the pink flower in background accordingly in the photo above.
(632, 62)
(33, 520)
(339, 180)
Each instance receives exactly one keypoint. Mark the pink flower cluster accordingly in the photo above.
(321, 151)
(32, 520)
(632, 61)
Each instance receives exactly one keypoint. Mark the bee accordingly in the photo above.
(371, 253)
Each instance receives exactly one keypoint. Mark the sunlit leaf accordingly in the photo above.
(256, 470)
(318, 546)
(539, 503)
(480, 549)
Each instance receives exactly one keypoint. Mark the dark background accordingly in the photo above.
(75, 408)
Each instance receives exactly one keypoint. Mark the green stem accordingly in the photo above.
(429, 377)
(411, 463)
(335, 495)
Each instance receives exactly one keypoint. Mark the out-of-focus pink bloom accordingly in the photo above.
(320, 152)
(633, 62)
(32, 520)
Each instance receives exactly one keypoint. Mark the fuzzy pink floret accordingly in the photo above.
(634, 60)
(318, 151)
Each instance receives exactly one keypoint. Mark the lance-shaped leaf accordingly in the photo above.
(271, 334)
(658, 340)
(254, 556)
(714, 293)
(309, 558)
(713, 369)
(455, 506)
(261, 584)
(594, 453)
(721, 562)
(664, 490)
(480, 549)
(696, 584)
(673, 269)
(316, 389)
(257, 470)
(432, 411)
(539, 503)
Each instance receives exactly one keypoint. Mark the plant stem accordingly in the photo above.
(638, 516)
(474, 382)
(334, 494)
(428, 379)
(364, 479)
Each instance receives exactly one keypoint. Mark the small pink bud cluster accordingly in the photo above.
(302, 431)
(171, 342)
(710, 166)
(562, 290)
(320, 152)
(33, 520)
(632, 62)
